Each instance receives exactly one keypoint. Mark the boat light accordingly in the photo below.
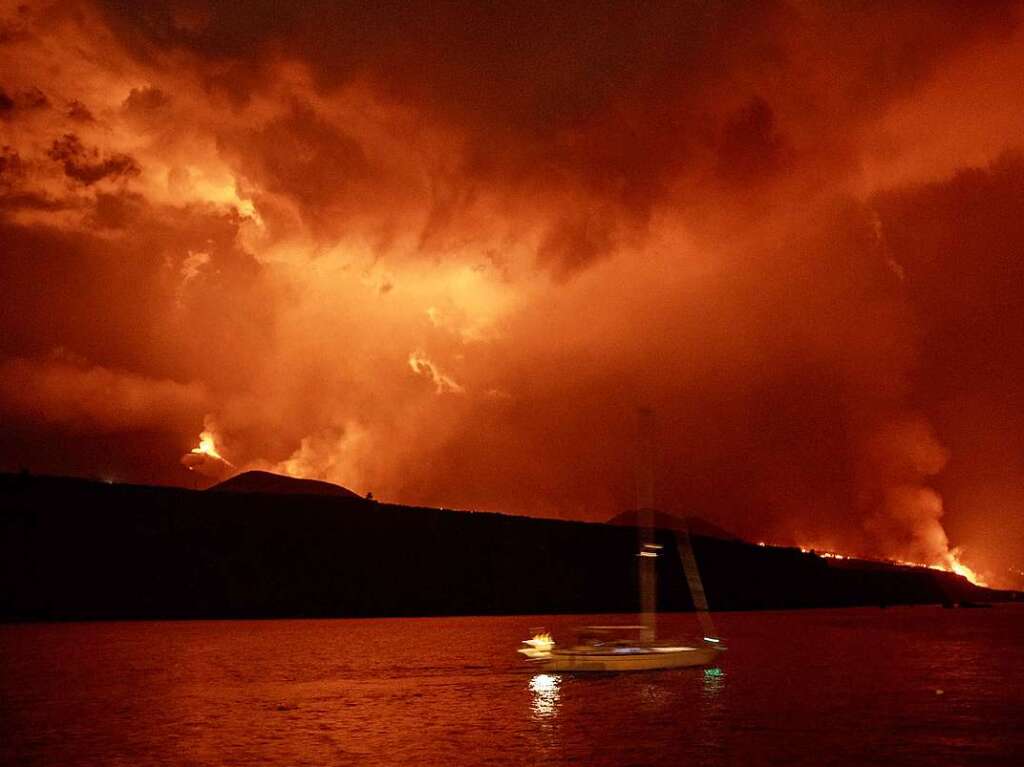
(712, 639)
(541, 642)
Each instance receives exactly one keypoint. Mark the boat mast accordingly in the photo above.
(647, 557)
(700, 600)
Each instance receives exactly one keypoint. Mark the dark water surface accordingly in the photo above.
(917, 685)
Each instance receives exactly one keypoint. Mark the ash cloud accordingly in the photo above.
(353, 225)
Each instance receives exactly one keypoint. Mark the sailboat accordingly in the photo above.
(637, 648)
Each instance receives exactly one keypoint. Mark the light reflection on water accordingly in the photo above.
(545, 694)
(714, 682)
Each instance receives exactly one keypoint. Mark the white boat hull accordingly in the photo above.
(645, 659)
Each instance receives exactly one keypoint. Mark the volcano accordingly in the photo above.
(279, 484)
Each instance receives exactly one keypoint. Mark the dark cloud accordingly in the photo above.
(118, 301)
(576, 242)
(15, 27)
(752, 148)
(116, 211)
(75, 395)
(15, 190)
(26, 99)
(11, 169)
(32, 201)
(145, 100)
(32, 98)
(85, 165)
(311, 161)
(612, 107)
(79, 112)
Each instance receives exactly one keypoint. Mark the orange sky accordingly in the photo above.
(441, 253)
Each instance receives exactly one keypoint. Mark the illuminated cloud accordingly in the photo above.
(421, 365)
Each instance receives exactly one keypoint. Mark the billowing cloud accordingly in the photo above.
(442, 254)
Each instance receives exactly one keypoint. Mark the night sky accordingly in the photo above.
(441, 252)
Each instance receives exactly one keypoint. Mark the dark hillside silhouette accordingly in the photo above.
(266, 482)
(78, 549)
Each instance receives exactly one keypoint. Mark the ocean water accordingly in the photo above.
(901, 686)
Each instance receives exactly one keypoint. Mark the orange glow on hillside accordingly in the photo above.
(951, 563)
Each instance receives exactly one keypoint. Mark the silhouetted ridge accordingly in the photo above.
(279, 484)
(665, 521)
(75, 549)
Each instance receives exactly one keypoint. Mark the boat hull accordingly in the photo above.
(645, 660)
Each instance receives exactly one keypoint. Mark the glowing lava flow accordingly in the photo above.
(951, 563)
